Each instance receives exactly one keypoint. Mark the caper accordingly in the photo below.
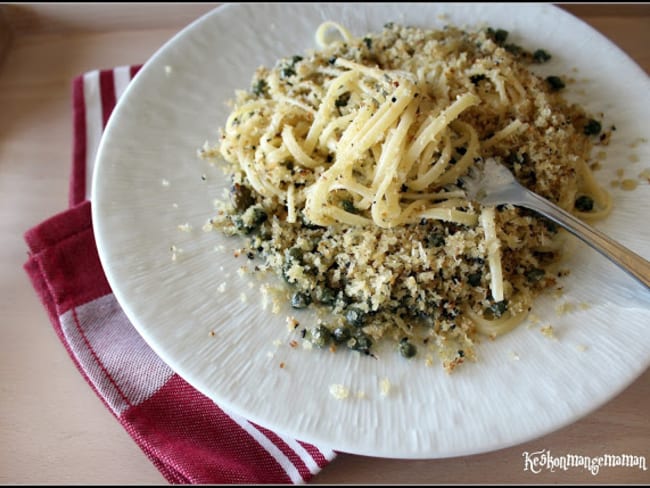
(499, 308)
(474, 279)
(300, 299)
(320, 336)
(361, 343)
(534, 275)
(326, 295)
(407, 349)
(341, 334)
(294, 254)
(592, 128)
(355, 317)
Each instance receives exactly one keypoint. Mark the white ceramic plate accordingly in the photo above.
(524, 384)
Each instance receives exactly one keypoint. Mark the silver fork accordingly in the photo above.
(496, 185)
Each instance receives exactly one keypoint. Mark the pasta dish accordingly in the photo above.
(347, 163)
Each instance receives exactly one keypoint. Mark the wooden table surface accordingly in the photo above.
(53, 429)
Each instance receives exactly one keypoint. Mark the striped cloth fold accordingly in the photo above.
(189, 438)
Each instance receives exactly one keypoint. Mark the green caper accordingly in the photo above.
(407, 349)
(320, 336)
(355, 317)
(499, 308)
(360, 342)
(541, 56)
(294, 254)
(534, 275)
(592, 128)
(326, 295)
(300, 299)
(341, 335)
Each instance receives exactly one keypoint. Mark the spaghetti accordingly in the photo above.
(346, 167)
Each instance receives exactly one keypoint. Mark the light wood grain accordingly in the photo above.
(53, 429)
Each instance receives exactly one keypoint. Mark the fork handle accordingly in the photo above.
(628, 260)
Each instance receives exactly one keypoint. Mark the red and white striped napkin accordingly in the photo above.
(189, 438)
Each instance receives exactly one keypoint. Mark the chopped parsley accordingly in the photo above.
(475, 79)
(260, 87)
(289, 69)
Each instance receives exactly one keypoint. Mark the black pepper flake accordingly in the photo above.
(394, 99)
(342, 100)
(475, 79)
